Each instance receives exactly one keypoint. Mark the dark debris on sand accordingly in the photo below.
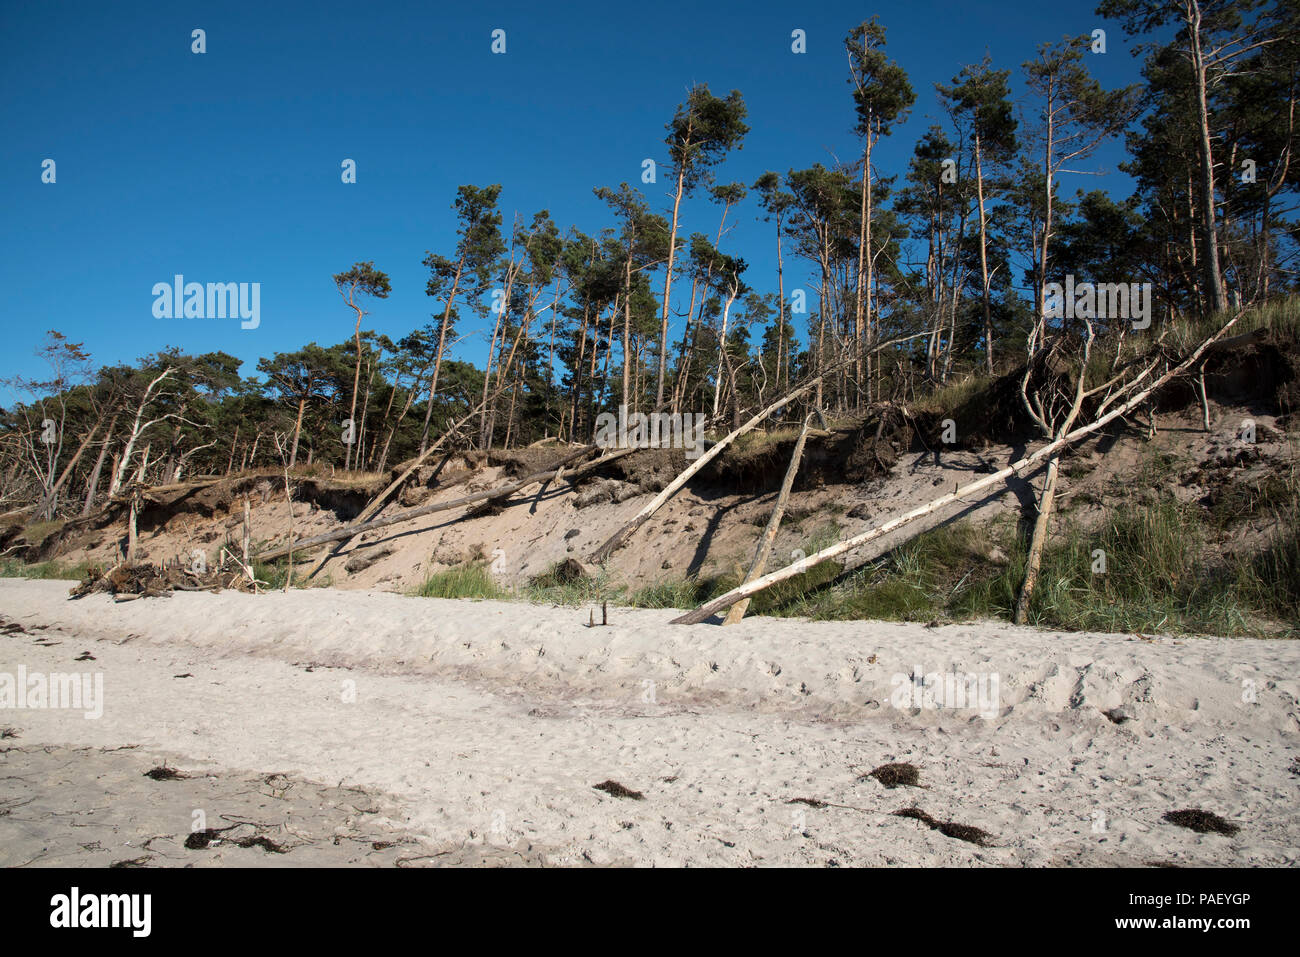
(1202, 822)
(896, 775)
(198, 840)
(618, 790)
(962, 832)
(164, 773)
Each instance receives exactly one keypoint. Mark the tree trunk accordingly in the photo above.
(579, 364)
(984, 258)
(668, 276)
(732, 292)
(1035, 557)
(780, 303)
(131, 537)
(1048, 151)
(401, 417)
(297, 431)
(356, 385)
(501, 324)
(864, 237)
(93, 485)
(358, 462)
(437, 359)
(550, 365)
(737, 611)
(627, 328)
(234, 444)
(1213, 274)
(246, 535)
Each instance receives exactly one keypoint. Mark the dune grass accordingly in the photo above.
(1157, 568)
(13, 568)
(953, 395)
(462, 581)
(552, 587)
(1147, 568)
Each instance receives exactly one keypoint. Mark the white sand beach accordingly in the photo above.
(475, 732)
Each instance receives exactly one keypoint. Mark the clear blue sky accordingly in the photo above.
(226, 166)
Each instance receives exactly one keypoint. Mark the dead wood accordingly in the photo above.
(501, 492)
(381, 499)
(765, 544)
(1028, 462)
(624, 533)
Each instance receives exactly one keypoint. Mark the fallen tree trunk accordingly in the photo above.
(765, 544)
(350, 531)
(378, 501)
(1038, 540)
(790, 571)
(624, 533)
(1245, 339)
(381, 499)
(1042, 523)
(641, 517)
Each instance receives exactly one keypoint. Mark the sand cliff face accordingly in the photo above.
(711, 526)
(484, 727)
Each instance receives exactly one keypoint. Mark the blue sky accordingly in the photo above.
(225, 166)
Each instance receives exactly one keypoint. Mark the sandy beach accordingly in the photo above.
(375, 729)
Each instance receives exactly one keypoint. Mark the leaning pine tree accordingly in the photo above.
(363, 279)
(704, 129)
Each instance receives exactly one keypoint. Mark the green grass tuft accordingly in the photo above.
(551, 587)
(462, 581)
